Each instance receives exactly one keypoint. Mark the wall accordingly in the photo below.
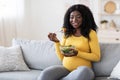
(41, 17)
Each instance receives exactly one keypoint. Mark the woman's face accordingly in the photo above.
(75, 19)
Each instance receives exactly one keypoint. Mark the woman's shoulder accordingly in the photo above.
(92, 32)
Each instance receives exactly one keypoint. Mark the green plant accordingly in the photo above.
(103, 21)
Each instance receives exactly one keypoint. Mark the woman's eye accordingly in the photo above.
(78, 16)
(71, 17)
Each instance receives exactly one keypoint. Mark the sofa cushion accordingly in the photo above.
(110, 55)
(115, 74)
(11, 59)
(38, 54)
(20, 75)
(103, 78)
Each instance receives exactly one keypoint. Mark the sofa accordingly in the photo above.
(39, 55)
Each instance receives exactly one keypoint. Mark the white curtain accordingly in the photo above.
(11, 14)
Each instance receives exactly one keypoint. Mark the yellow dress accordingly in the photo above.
(88, 51)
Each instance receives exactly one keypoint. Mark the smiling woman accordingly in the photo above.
(78, 48)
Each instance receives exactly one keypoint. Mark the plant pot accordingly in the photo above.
(104, 25)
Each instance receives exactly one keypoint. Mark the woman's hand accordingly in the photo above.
(52, 37)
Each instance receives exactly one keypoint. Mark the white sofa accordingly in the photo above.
(39, 55)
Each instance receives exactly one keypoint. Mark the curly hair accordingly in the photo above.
(88, 22)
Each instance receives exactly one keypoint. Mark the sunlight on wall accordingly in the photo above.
(10, 7)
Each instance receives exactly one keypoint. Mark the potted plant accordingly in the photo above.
(104, 24)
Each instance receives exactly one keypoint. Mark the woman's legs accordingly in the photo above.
(81, 73)
(53, 73)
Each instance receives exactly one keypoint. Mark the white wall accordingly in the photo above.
(41, 17)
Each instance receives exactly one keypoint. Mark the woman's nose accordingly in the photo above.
(74, 19)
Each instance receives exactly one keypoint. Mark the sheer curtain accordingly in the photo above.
(11, 14)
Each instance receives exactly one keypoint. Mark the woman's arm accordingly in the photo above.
(94, 55)
(57, 47)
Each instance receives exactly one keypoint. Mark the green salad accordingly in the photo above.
(67, 49)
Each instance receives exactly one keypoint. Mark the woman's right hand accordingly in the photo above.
(52, 37)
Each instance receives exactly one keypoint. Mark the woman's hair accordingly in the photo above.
(88, 22)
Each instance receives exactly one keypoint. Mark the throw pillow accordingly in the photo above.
(11, 59)
(115, 74)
